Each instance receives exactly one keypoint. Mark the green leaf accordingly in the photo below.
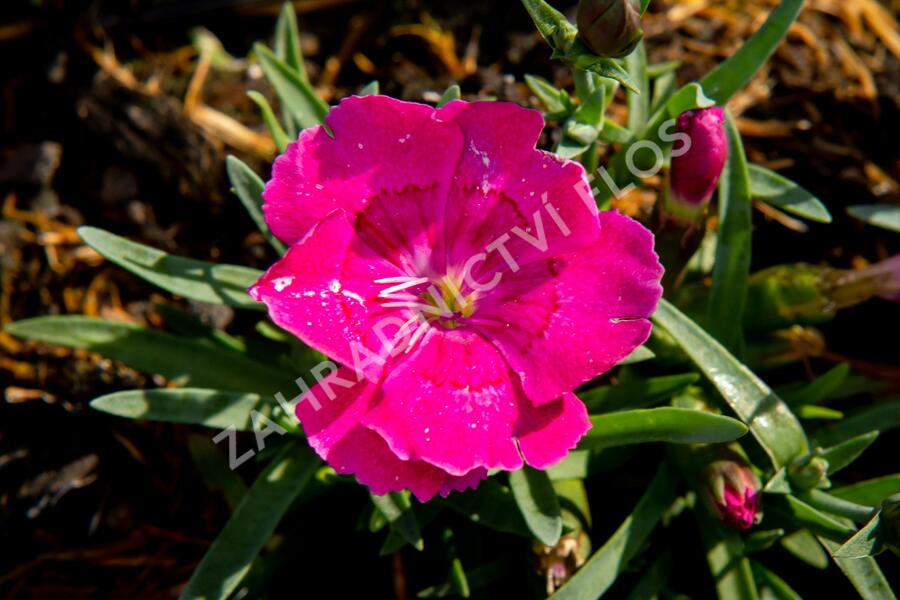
(640, 354)
(556, 101)
(813, 519)
(613, 133)
(248, 187)
(779, 587)
(886, 216)
(189, 361)
(726, 556)
(278, 135)
(803, 545)
(773, 425)
(213, 467)
(665, 424)
(638, 103)
(287, 41)
(397, 509)
(211, 408)
(725, 80)
(537, 500)
(297, 97)
(881, 416)
(590, 111)
(552, 24)
(820, 389)
(253, 522)
(846, 452)
(868, 541)
(370, 89)
(870, 492)
(761, 540)
(602, 569)
(491, 505)
(194, 279)
(636, 393)
(690, 97)
(772, 188)
(808, 412)
(863, 573)
(450, 94)
(731, 273)
(654, 581)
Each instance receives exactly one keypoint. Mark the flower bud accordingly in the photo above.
(697, 164)
(610, 28)
(732, 491)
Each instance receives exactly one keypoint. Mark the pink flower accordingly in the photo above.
(732, 491)
(696, 168)
(462, 278)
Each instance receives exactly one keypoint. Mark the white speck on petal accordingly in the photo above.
(334, 286)
(282, 282)
(360, 146)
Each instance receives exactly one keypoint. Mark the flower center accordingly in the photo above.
(450, 304)
(431, 300)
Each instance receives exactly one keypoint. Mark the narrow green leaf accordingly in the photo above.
(253, 522)
(820, 389)
(772, 188)
(664, 88)
(195, 279)
(773, 425)
(248, 187)
(213, 467)
(278, 135)
(654, 581)
(759, 541)
(803, 545)
(640, 354)
(450, 94)
(731, 273)
(552, 24)
(808, 411)
(725, 80)
(370, 89)
(397, 509)
(602, 569)
(868, 541)
(590, 111)
(189, 361)
(815, 520)
(491, 505)
(870, 492)
(552, 98)
(779, 587)
(690, 97)
(839, 507)
(297, 97)
(843, 454)
(664, 424)
(537, 500)
(881, 416)
(886, 216)
(638, 103)
(287, 40)
(636, 393)
(211, 408)
(613, 133)
(726, 556)
(863, 573)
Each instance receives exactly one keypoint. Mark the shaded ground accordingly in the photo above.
(97, 126)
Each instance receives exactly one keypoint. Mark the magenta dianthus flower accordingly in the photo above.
(464, 281)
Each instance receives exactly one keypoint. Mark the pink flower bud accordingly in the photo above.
(697, 164)
(732, 492)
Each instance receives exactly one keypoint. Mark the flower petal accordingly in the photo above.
(452, 403)
(324, 291)
(332, 427)
(379, 144)
(583, 312)
(505, 188)
(547, 433)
